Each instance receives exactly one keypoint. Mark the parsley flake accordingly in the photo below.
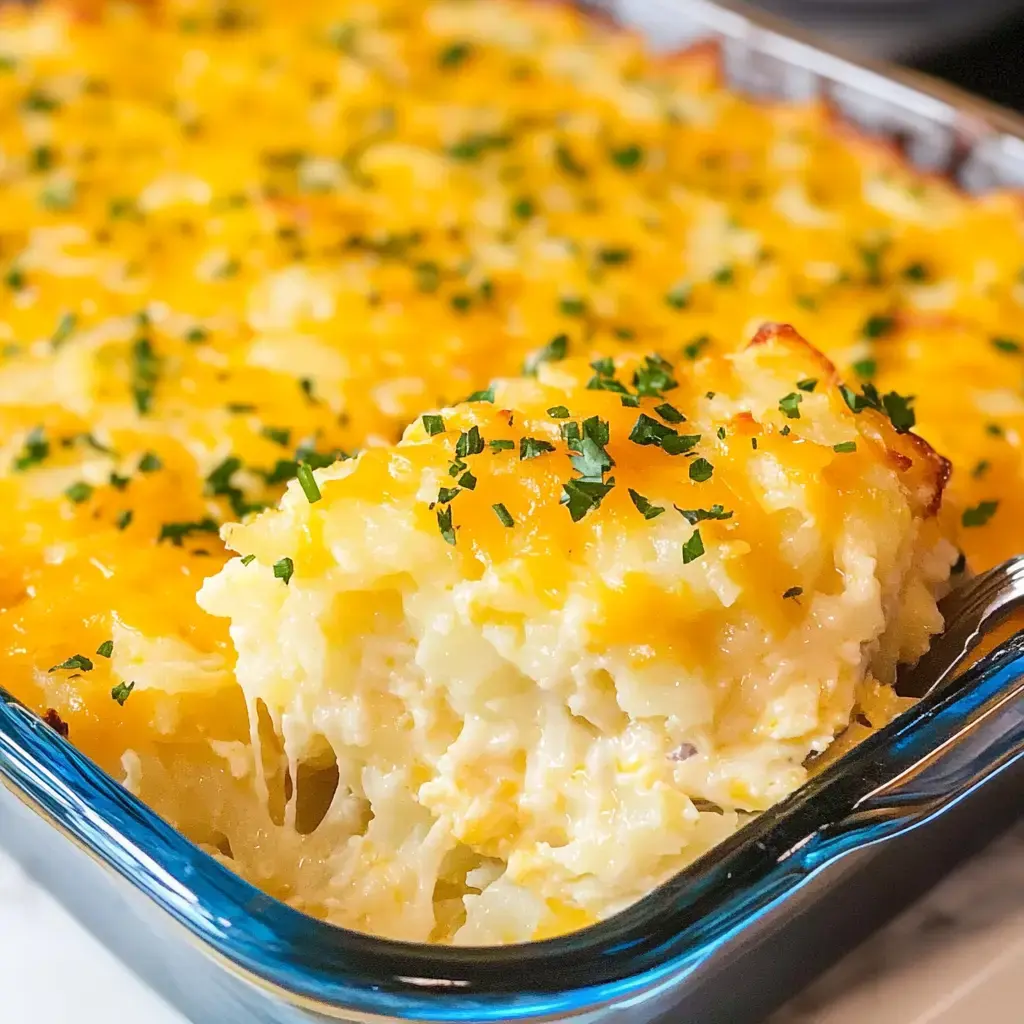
(444, 524)
(790, 405)
(807, 385)
(35, 449)
(669, 413)
(77, 662)
(693, 548)
(558, 412)
(145, 370)
(865, 368)
(701, 470)
(454, 55)
(432, 424)
(284, 569)
(467, 481)
(487, 395)
(878, 326)
(531, 447)
(980, 514)
(981, 469)
(105, 649)
(644, 507)
(553, 352)
(150, 463)
(124, 519)
(571, 306)
(248, 559)
(501, 445)
(580, 496)
(845, 447)
(698, 515)
(1007, 345)
(627, 158)
(469, 443)
(121, 693)
(279, 435)
(79, 492)
(679, 296)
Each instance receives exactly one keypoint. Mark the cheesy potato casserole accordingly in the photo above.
(394, 497)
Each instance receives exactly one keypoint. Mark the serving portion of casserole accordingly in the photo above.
(240, 242)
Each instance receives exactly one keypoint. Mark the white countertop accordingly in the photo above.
(957, 957)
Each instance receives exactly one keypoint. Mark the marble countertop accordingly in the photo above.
(955, 957)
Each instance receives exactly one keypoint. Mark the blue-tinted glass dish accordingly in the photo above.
(724, 940)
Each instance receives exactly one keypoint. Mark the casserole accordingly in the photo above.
(558, 994)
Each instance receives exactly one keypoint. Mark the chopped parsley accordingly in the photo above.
(554, 351)
(79, 492)
(501, 445)
(980, 514)
(469, 443)
(654, 378)
(698, 515)
(524, 208)
(981, 469)
(121, 693)
(477, 144)
(627, 158)
(15, 279)
(105, 649)
(196, 335)
(558, 412)
(567, 162)
(487, 395)
(444, 524)
(790, 405)
(701, 470)
(916, 272)
(724, 275)
(124, 519)
(177, 532)
(503, 515)
(34, 450)
(468, 481)
(793, 592)
(279, 435)
(150, 463)
(308, 483)
(145, 370)
(648, 431)
(679, 296)
(1008, 345)
(248, 559)
(614, 257)
(284, 569)
(446, 495)
(570, 306)
(644, 507)
(669, 413)
(897, 407)
(77, 662)
(693, 548)
(809, 384)
(433, 424)
(865, 368)
(580, 496)
(878, 326)
(845, 447)
(721, 433)
(65, 328)
(454, 55)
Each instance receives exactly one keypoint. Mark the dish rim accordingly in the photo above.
(860, 800)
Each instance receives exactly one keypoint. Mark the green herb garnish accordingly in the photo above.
(284, 569)
(77, 662)
(469, 443)
(121, 693)
(177, 532)
(693, 548)
(980, 514)
(554, 351)
(531, 447)
(432, 424)
(558, 412)
(501, 445)
(807, 385)
(444, 524)
(644, 507)
(308, 483)
(79, 492)
(790, 405)
(845, 447)
(701, 470)
(35, 449)
(150, 463)
(503, 515)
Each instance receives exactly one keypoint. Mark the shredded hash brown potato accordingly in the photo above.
(241, 241)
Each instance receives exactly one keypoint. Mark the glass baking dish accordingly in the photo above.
(728, 938)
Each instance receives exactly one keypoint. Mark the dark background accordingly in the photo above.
(991, 65)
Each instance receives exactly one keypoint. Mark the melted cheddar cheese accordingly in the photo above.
(237, 236)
